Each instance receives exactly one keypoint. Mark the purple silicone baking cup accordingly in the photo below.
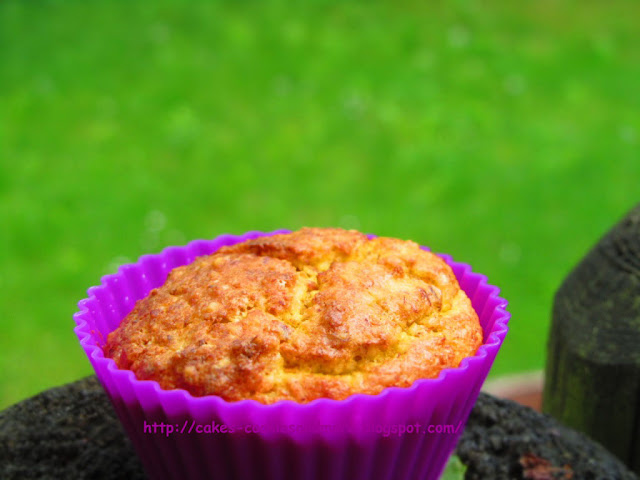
(178, 436)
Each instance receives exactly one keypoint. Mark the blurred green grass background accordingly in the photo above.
(504, 133)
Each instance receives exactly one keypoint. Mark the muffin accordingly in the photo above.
(322, 354)
(317, 313)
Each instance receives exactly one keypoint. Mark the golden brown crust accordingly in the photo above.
(314, 313)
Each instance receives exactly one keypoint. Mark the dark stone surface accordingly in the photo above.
(67, 432)
(505, 440)
(72, 432)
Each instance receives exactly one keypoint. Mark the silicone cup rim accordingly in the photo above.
(493, 339)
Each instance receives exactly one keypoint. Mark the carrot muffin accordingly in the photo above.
(314, 313)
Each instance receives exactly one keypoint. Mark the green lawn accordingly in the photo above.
(505, 133)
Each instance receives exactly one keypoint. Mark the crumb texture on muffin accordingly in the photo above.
(315, 313)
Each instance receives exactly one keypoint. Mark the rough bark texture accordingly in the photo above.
(593, 362)
(73, 432)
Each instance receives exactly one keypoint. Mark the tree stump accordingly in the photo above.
(593, 356)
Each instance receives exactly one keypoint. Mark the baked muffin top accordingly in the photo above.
(314, 313)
